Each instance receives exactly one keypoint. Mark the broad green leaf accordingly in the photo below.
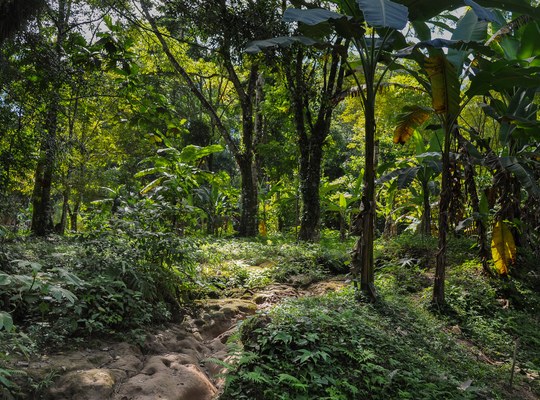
(423, 10)
(445, 86)
(526, 178)
(484, 205)
(530, 43)
(5, 280)
(410, 119)
(152, 185)
(342, 201)
(482, 13)
(313, 16)
(423, 32)
(384, 13)
(503, 248)
(283, 41)
(389, 176)
(460, 45)
(192, 153)
(6, 321)
(60, 293)
(405, 179)
(468, 29)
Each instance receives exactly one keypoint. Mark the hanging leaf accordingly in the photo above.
(445, 86)
(410, 119)
(526, 177)
(503, 248)
(283, 41)
(405, 179)
(384, 13)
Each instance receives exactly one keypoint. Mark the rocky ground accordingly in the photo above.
(172, 364)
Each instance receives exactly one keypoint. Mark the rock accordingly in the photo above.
(129, 363)
(323, 287)
(166, 377)
(92, 384)
(273, 294)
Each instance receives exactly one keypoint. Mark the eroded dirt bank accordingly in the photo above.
(171, 364)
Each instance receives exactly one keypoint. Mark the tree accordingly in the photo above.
(239, 20)
(313, 123)
(14, 14)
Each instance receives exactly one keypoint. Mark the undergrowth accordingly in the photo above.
(332, 347)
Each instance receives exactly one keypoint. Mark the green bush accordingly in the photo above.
(334, 348)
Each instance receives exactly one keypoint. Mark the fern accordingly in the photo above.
(256, 376)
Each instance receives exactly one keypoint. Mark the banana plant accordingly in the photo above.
(175, 173)
(511, 84)
(423, 168)
(373, 28)
(340, 196)
(441, 79)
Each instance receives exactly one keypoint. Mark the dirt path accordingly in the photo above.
(171, 364)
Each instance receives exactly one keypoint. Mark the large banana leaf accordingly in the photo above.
(312, 16)
(503, 248)
(503, 78)
(525, 177)
(445, 88)
(282, 41)
(482, 13)
(423, 10)
(469, 28)
(530, 43)
(384, 13)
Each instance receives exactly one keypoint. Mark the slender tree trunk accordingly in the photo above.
(426, 214)
(74, 215)
(444, 206)
(364, 224)
(250, 203)
(311, 144)
(62, 225)
(470, 187)
(367, 277)
(310, 180)
(243, 154)
(42, 223)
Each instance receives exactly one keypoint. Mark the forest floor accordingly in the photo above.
(278, 320)
(177, 362)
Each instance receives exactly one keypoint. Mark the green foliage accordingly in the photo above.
(333, 348)
(229, 263)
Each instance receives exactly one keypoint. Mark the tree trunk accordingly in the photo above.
(367, 277)
(310, 180)
(425, 227)
(470, 187)
(74, 215)
(250, 205)
(444, 206)
(61, 228)
(364, 225)
(42, 223)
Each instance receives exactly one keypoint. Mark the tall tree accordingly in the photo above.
(224, 29)
(312, 121)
